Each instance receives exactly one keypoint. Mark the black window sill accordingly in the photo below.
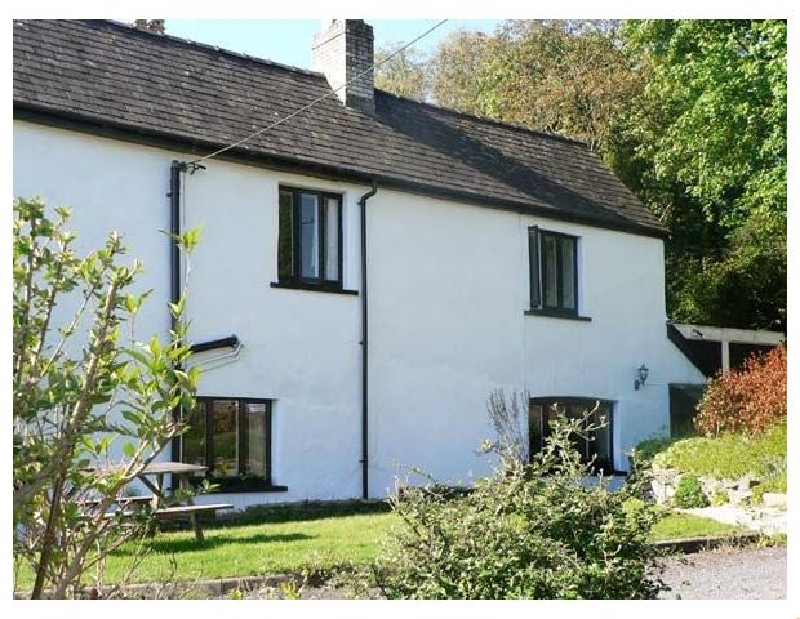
(226, 485)
(237, 489)
(547, 313)
(329, 288)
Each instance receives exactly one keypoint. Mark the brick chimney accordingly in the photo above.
(343, 50)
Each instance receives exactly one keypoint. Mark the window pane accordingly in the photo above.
(225, 413)
(255, 440)
(194, 439)
(332, 240)
(309, 236)
(285, 234)
(568, 272)
(550, 274)
(601, 445)
(580, 411)
(535, 429)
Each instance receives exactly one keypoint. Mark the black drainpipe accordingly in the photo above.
(362, 203)
(175, 171)
(175, 229)
(175, 264)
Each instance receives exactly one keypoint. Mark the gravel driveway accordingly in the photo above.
(729, 574)
(723, 574)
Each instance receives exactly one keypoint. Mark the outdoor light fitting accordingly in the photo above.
(642, 372)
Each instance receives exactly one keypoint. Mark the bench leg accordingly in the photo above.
(198, 529)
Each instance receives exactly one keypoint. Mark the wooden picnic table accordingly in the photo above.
(161, 503)
(182, 474)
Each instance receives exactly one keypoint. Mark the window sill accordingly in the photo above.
(235, 489)
(237, 486)
(312, 287)
(556, 314)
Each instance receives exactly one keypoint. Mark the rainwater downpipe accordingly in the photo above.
(175, 230)
(362, 203)
(174, 195)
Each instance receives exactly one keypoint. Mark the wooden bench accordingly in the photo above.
(192, 512)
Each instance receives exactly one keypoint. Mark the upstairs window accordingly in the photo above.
(553, 272)
(310, 239)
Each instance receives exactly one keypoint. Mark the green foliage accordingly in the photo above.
(705, 147)
(67, 378)
(720, 498)
(776, 483)
(401, 73)
(648, 449)
(528, 531)
(689, 493)
(729, 456)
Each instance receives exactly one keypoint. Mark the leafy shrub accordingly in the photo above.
(720, 498)
(523, 534)
(728, 456)
(773, 484)
(689, 493)
(648, 449)
(750, 400)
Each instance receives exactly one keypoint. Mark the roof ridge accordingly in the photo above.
(197, 44)
(487, 120)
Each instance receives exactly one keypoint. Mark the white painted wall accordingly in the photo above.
(448, 287)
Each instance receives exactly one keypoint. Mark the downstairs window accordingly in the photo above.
(592, 444)
(232, 437)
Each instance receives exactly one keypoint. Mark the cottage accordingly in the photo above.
(371, 267)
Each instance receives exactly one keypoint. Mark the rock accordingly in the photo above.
(775, 499)
(740, 497)
(663, 484)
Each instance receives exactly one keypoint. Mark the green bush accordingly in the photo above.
(689, 493)
(728, 456)
(720, 498)
(528, 531)
(773, 484)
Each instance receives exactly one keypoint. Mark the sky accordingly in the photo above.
(288, 41)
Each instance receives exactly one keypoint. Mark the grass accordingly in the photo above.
(320, 541)
(679, 525)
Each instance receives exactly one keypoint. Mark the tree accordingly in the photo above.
(83, 396)
(404, 73)
(707, 140)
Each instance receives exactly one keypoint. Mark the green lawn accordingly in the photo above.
(279, 547)
(680, 525)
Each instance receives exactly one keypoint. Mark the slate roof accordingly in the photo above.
(102, 73)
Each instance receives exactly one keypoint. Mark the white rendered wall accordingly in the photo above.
(448, 287)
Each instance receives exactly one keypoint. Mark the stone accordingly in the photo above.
(775, 499)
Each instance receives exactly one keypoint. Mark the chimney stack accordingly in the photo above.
(343, 50)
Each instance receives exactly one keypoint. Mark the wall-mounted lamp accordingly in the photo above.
(642, 377)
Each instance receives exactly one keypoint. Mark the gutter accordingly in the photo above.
(362, 203)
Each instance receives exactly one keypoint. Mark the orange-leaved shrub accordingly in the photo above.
(750, 400)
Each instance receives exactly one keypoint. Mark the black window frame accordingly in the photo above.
(537, 265)
(240, 483)
(607, 466)
(296, 279)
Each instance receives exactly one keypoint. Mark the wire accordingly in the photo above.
(335, 36)
(319, 99)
